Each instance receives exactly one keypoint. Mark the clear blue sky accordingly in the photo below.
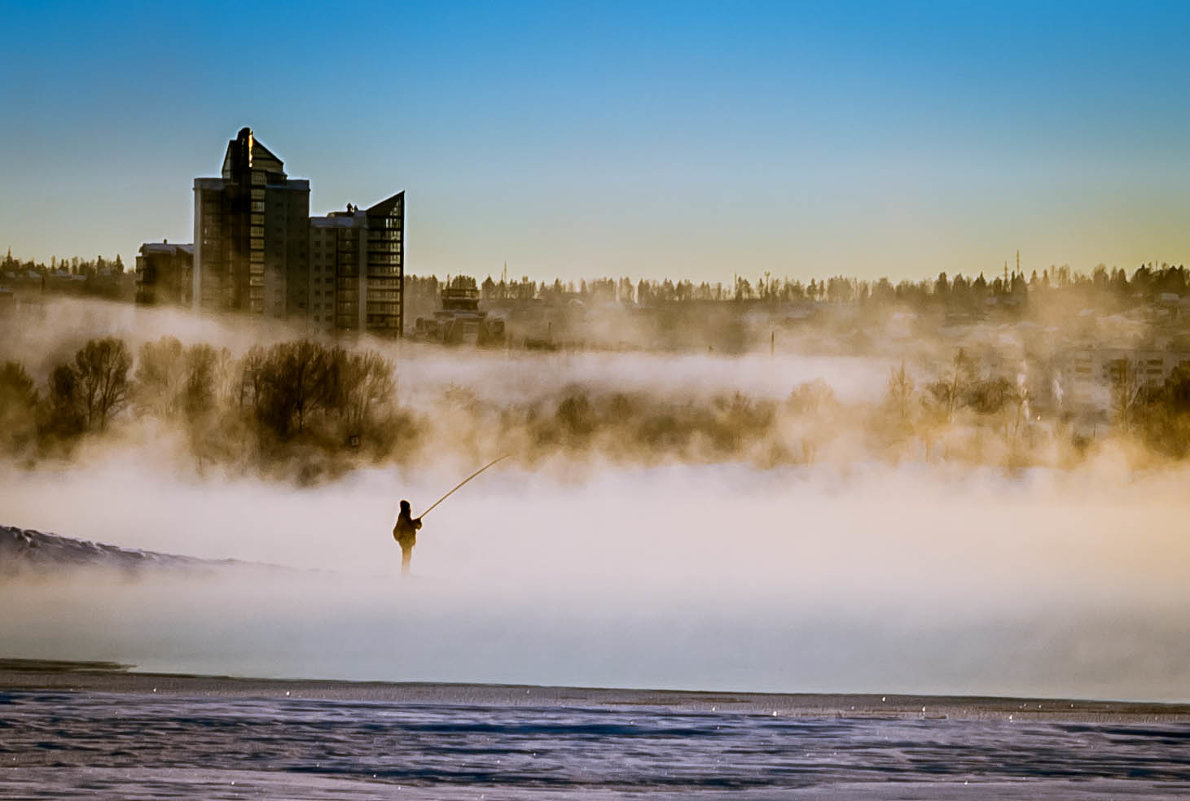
(645, 139)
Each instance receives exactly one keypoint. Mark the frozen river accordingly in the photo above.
(56, 743)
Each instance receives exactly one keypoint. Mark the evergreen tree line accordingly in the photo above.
(73, 266)
(1010, 288)
(1147, 283)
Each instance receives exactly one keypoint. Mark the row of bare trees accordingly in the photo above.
(310, 410)
(293, 388)
(80, 396)
(290, 404)
(1156, 414)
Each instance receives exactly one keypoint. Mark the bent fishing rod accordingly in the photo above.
(462, 483)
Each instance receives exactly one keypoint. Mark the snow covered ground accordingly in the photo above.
(26, 549)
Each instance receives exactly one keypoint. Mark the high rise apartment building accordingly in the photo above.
(251, 240)
(257, 250)
(357, 269)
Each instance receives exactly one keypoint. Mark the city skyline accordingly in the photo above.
(695, 141)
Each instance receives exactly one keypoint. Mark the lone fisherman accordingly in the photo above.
(405, 533)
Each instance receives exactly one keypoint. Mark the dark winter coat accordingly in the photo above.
(405, 531)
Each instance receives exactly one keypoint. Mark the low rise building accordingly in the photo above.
(164, 274)
(460, 321)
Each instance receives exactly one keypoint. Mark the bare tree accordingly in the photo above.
(102, 369)
(159, 371)
(365, 383)
(18, 406)
(900, 395)
(291, 381)
(1126, 386)
(202, 368)
(63, 416)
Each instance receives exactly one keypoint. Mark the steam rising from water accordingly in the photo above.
(866, 577)
(673, 577)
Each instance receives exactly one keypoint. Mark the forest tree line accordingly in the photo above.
(1007, 289)
(1147, 283)
(72, 266)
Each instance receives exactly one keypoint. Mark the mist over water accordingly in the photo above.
(704, 577)
(831, 576)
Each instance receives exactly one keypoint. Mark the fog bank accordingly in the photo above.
(782, 522)
(688, 577)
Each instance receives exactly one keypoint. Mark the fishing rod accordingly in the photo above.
(463, 482)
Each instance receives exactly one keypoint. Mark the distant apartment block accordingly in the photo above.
(357, 269)
(258, 251)
(1092, 379)
(164, 274)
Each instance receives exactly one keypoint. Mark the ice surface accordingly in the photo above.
(135, 745)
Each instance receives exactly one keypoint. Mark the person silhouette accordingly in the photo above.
(405, 533)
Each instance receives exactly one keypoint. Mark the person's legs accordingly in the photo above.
(406, 558)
